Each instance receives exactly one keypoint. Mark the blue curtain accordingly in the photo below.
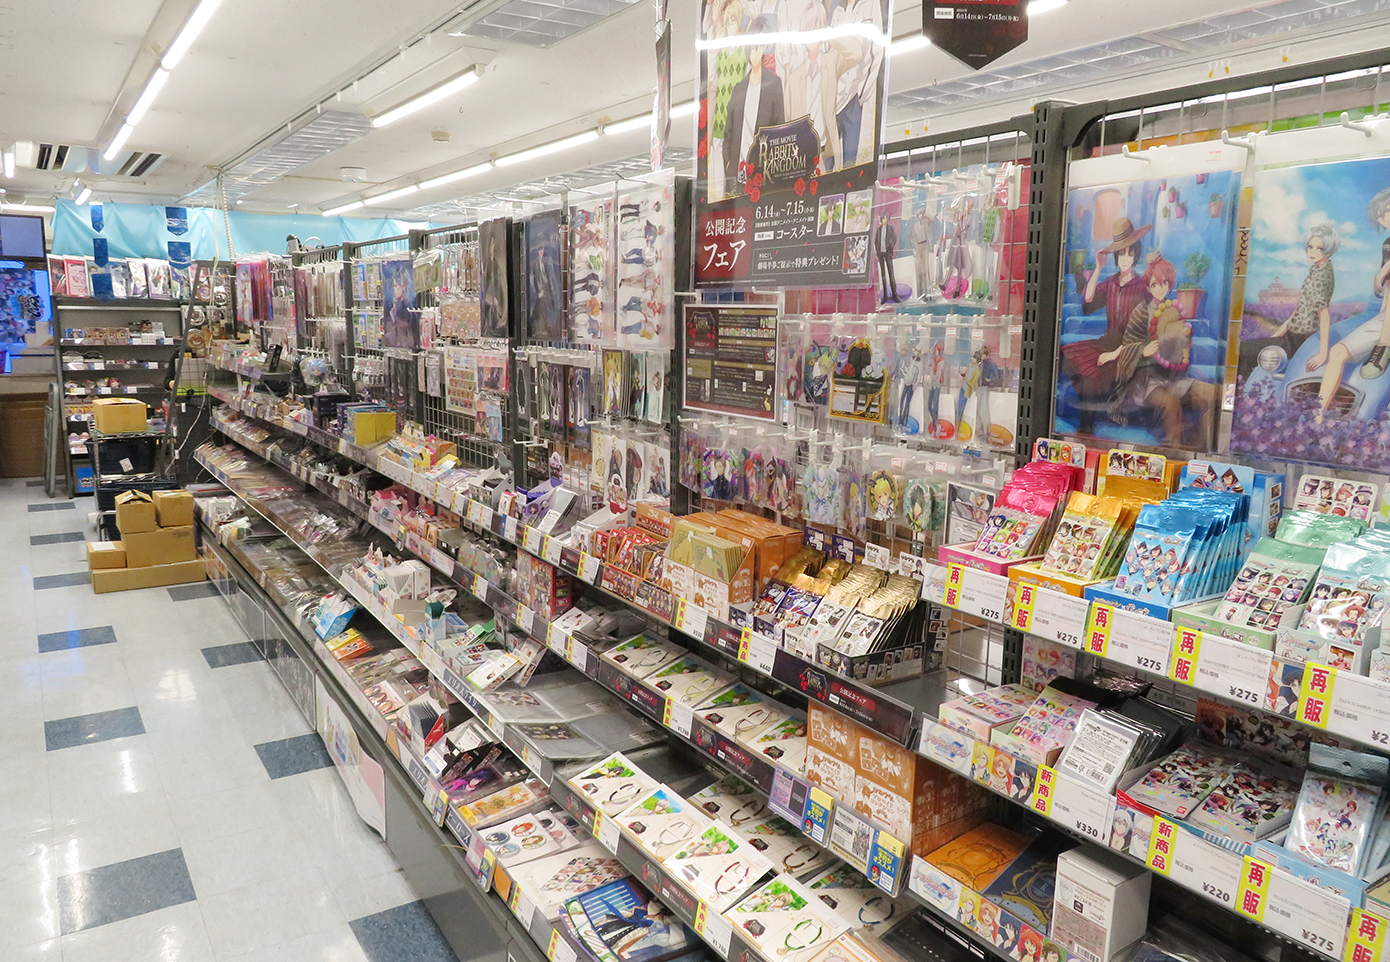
(140, 230)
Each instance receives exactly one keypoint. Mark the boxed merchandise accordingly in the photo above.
(980, 856)
(623, 922)
(1043, 731)
(135, 512)
(366, 427)
(173, 509)
(1101, 905)
(1026, 887)
(993, 708)
(153, 576)
(105, 554)
(119, 415)
(661, 821)
(159, 547)
(718, 865)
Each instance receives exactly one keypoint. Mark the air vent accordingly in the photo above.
(537, 23)
(45, 158)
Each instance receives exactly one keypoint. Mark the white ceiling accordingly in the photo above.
(69, 72)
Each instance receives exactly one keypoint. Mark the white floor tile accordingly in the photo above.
(91, 832)
(174, 934)
(269, 913)
(334, 944)
(230, 812)
(31, 911)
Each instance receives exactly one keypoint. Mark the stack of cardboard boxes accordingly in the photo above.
(157, 546)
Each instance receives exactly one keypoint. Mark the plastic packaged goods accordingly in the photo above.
(1337, 806)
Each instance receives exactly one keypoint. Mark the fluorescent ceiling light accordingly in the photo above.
(643, 122)
(82, 197)
(334, 211)
(550, 148)
(118, 142)
(433, 95)
(1044, 6)
(7, 162)
(391, 195)
(32, 208)
(189, 33)
(685, 109)
(915, 42)
(147, 98)
(820, 35)
(456, 175)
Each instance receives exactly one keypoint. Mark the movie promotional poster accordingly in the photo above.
(788, 140)
(1145, 307)
(1315, 333)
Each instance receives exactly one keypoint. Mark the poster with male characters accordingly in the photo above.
(400, 321)
(1315, 333)
(1145, 308)
(788, 137)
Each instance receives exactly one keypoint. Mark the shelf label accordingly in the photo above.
(556, 639)
(976, 593)
(588, 567)
(525, 909)
(1044, 790)
(474, 510)
(1082, 808)
(1058, 617)
(606, 831)
(509, 526)
(551, 550)
(713, 928)
(1163, 843)
(690, 619)
(1230, 669)
(876, 555)
(485, 516)
(1365, 937)
(1207, 869)
(480, 587)
(1309, 914)
(533, 536)
(1140, 642)
(440, 560)
(1360, 709)
(1098, 628)
(577, 653)
(679, 718)
(1025, 595)
(757, 651)
(1319, 682)
(1252, 893)
(559, 950)
(525, 618)
(1187, 650)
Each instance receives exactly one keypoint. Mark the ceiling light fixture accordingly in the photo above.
(390, 195)
(82, 197)
(33, 208)
(685, 109)
(335, 211)
(431, 96)
(643, 122)
(553, 147)
(7, 163)
(908, 44)
(151, 91)
(844, 31)
(118, 141)
(189, 33)
(1044, 6)
(456, 175)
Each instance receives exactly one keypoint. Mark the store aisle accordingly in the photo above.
(160, 795)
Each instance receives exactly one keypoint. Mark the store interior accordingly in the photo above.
(591, 481)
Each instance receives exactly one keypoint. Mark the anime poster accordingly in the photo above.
(591, 259)
(492, 269)
(544, 294)
(400, 321)
(788, 140)
(646, 267)
(1315, 335)
(24, 301)
(1145, 307)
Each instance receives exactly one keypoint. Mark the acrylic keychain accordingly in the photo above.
(884, 485)
(821, 484)
(791, 345)
(854, 498)
(692, 452)
(818, 361)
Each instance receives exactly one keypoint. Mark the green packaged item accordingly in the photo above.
(1275, 577)
(1301, 526)
(1349, 595)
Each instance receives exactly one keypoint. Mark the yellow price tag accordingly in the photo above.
(666, 712)
(1253, 892)
(550, 949)
(1365, 937)
(745, 640)
(679, 620)
(701, 917)
(955, 577)
(1025, 596)
(1315, 701)
(1043, 790)
(1163, 840)
(1098, 625)
(598, 821)
(1187, 647)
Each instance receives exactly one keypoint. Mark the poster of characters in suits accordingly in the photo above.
(400, 321)
(788, 135)
(1315, 331)
(1145, 306)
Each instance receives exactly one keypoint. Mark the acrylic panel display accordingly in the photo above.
(1145, 305)
(400, 321)
(1319, 250)
(646, 268)
(543, 269)
(591, 262)
(493, 256)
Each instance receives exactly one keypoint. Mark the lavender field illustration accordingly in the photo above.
(1312, 381)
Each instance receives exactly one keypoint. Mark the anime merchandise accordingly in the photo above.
(623, 922)
(1332, 820)
(1328, 495)
(1310, 380)
(818, 362)
(918, 498)
(493, 283)
(980, 856)
(1178, 784)
(591, 266)
(718, 865)
(1249, 803)
(646, 268)
(1276, 577)
(661, 821)
(400, 321)
(821, 493)
(1045, 727)
(1145, 309)
(860, 380)
(885, 495)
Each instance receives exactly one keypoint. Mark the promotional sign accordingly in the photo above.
(975, 32)
(788, 140)
(731, 360)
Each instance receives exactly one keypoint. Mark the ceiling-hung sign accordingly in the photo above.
(975, 32)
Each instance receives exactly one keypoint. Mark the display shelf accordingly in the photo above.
(113, 392)
(118, 304)
(147, 342)
(108, 365)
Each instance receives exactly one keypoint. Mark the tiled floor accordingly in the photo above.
(160, 795)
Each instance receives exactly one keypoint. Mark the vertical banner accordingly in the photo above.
(661, 107)
(100, 251)
(975, 32)
(788, 141)
(98, 215)
(176, 220)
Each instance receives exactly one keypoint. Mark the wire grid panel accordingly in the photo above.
(974, 648)
(370, 369)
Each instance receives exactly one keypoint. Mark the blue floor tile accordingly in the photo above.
(403, 934)
(62, 581)
(52, 506)
(62, 538)
(97, 727)
(123, 890)
(238, 654)
(203, 589)
(77, 638)
(291, 756)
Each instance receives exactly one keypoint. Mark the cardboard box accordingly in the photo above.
(173, 509)
(105, 554)
(155, 576)
(119, 415)
(135, 513)
(1101, 905)
(160, 547)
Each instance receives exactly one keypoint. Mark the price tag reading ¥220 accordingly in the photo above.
(1140, 642)
(1230, 669)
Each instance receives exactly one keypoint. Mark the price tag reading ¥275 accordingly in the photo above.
(976, 593)
(1140, 641)
(1230, 669)
(1060, 618)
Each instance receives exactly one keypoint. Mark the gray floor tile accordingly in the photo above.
(292, 756)
(403, 934)
(123, 890)
(203, 589)
(77, 638)
(34, 483)
(221, 656)
(97, 727)
(62, 537)
(62, 581)
(52, 506)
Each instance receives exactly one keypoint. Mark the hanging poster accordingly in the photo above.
(400, 321)
(1145, 307)
(492, 269)
(1315, 332)
(975, 32)
(731, 360)
(543, 264)
(24, 301)
(787, 141)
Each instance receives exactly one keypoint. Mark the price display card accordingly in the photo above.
(976, 593)
(1204, 868)
(1309, 914)
(551, 551)
(1057, 617)
(757, 651)
(678, 717)
(533, 539)
(716, 930)
(589, 567)
(886, 863)
(1081, 807)
(690, 619)
(1229, 669)
(559, 950)
(851, 838)
(1360, 709)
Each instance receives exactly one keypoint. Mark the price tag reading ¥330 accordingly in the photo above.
(1085, 809)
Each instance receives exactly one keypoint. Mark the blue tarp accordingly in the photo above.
(141, 230)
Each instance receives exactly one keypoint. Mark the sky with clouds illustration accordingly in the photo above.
(1290, 200)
